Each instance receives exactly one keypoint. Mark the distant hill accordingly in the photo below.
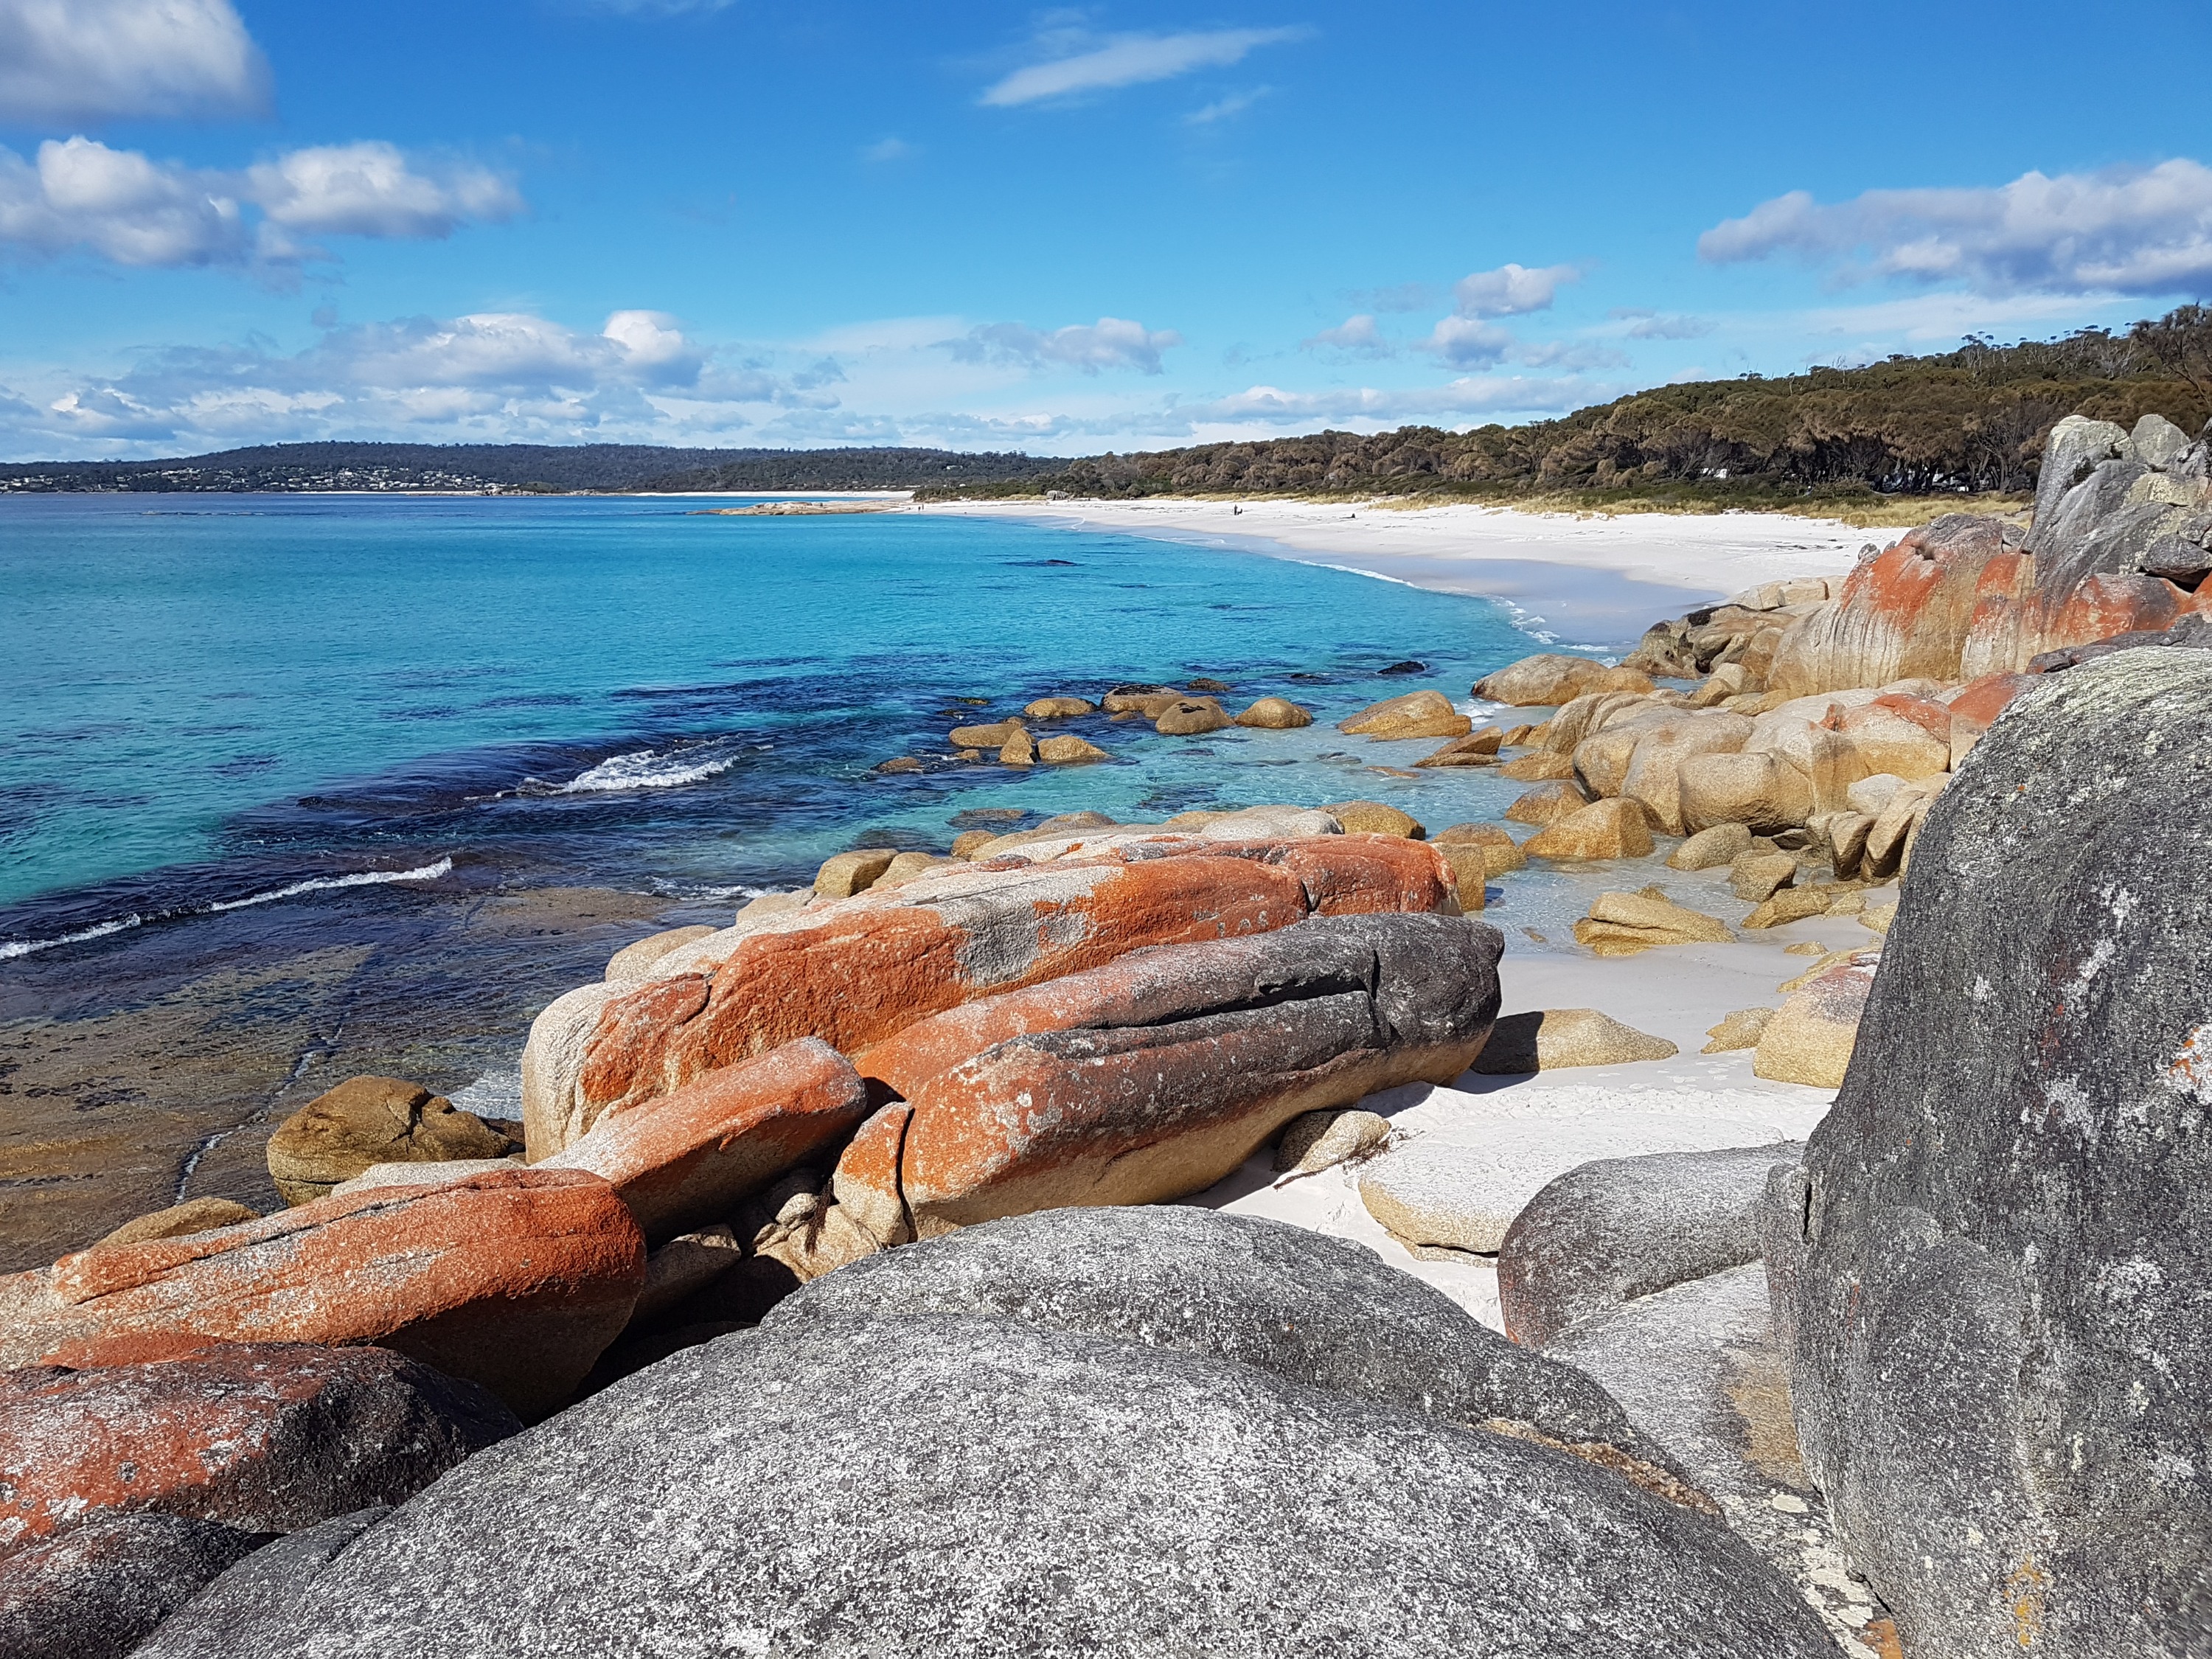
(523, 467)
(1972, 420)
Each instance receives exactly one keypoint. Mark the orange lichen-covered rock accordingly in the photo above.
(853, 972)
(515, 1279)
(1156, 1076)
(1976, 706)
(685, 1159)
(268, 1437)
(1904, 613)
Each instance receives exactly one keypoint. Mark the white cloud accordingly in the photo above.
(1127, 60)
(2126, 230)
(886, 149)
(1647, 324)
(1110, 342)
(1222, 108)
(371, 188)
(91, 60)
(1512, 290)
(123, 206)
(1464, 342)
(493, 376)
(1357, 335)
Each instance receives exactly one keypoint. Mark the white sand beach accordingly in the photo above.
(1550, 568)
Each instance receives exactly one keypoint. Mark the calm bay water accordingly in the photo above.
(294, 789)
(210, 700)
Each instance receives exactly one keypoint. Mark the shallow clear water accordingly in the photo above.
(210, 700)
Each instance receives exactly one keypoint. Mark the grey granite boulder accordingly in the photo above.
(94, 1591)
(1993, 1269)
(270, 1591)
(1321, 1311)
(2156, 441)
(1620, 1228)
(2077, 447)
(952, 1488)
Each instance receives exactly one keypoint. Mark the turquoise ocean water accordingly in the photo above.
(210, 700)
(319, 786)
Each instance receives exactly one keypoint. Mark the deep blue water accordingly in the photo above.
(205, 701)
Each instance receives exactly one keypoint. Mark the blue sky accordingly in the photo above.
(1131, 225)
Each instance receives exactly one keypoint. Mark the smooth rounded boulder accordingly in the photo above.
(515, 1280)
(1993, 1268)
(959, 1489)
(1159, 1075)
(854, 971)
(1300, 1305)
(267, 1437)
(686, 1159)
(1620, 1228)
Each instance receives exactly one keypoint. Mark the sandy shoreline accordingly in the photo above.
(1572, 580)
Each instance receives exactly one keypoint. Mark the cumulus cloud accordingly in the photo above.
(373, 189)
(1357, 335)
(123, 206)
(1109, 343)
(1127, 60)
(1511, 291)
(2126, 230)
(1646, 324)
(94, 60)
(1464, 342)
(491, 376)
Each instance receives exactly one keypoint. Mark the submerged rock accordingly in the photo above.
(1275, 714)
(372, 1119)
(1415, 714)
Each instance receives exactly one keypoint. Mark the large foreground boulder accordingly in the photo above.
(1299, 1305)
(267, 1437)
(1995, 1268)
(854, 971)
(515, 1279)
(958, 1488)
(1159, 1075)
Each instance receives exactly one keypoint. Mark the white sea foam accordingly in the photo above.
(24, 947)
(645, 770)
(322, 883)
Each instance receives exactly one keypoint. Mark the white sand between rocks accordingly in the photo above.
(1540, 564)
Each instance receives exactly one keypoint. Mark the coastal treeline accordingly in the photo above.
(1973, 419)
(552, 469)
